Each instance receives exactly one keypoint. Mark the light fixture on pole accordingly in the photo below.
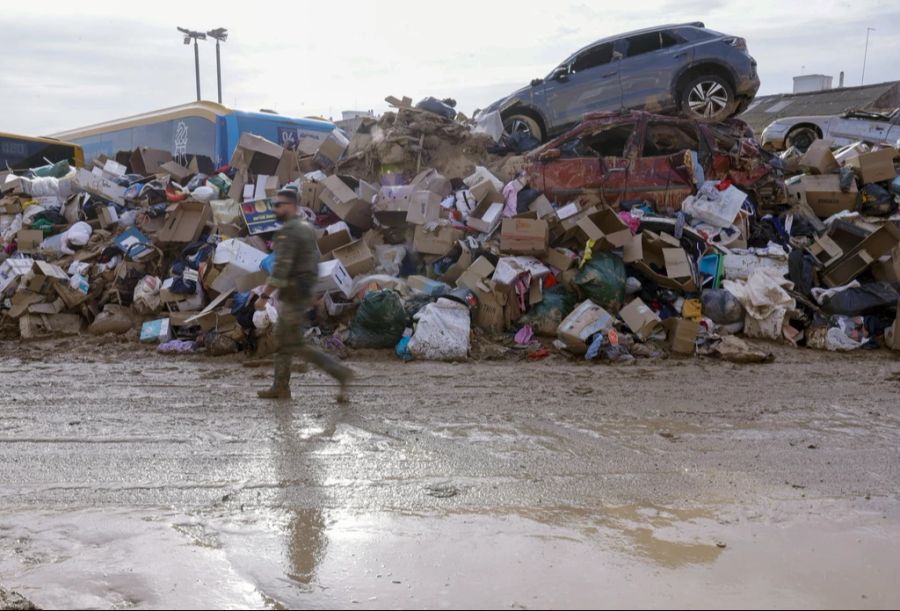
(188, 35)
(221, 35)
(862, 81)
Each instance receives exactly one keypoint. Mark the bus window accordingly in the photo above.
(23, 152)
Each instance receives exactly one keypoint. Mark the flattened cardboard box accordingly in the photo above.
(29, 240)
(887, 268)
(524, 236)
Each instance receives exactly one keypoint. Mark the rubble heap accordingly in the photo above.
(423, 249)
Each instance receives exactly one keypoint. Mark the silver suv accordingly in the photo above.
(675, 68)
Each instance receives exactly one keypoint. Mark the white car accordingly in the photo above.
(852, 126)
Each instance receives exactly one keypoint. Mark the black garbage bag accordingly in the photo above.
(863, 299)
(546, 316)
(444, 108)
(379, 321)
(602, 280)
(875, 200)
(802, 271)
(525, 198)
(721, 307)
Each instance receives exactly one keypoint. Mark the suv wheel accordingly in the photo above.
(524, 124)
(709, 98)
(801, 137)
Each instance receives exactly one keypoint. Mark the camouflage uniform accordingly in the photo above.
(295, 275)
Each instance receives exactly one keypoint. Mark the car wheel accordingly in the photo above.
(801, 137)
(708, 98)
(524, 124)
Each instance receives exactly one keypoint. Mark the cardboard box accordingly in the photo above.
(887, 268)
(825, 250)
(424, 207)
(524, 237)
(333, 277)
(462, 264)
(356, 258)
(560, 258)
(681, 335)
(510, 268)
(433, 181)
(542, 207)
(11, 271)
(99, 186)
(29, 240)
(178, 172)
(185, 221)
(823, 194)
(43, 325)
(335, 236)
(114, 169)
(147, 161)
(234, 259)
(108, 216)
(332, 149)
(486, 216)
(605, 228)
(819, 159)
(642, 321)
(494, 313)
(180, 302)
(22, 301)
(586, 320)
(862, 256)
(485, 191)
(477, 274)
(43, 275)
(876, 166)
(392, 205)
(341, 198)
(650, 252)
(257, 155)
(310, 195)
(156, 331)
(439, 242)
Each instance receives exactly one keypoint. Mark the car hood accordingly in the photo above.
(519, 95)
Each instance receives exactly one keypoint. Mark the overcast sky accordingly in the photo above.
(69, 64)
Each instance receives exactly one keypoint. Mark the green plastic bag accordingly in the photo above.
(379, 322)
(602, 280)
(57, 170)
(546, 316)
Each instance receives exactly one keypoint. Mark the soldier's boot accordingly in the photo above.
(344, 376)
(281, 388)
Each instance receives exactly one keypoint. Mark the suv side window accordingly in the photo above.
(654, 41)
(596, 56)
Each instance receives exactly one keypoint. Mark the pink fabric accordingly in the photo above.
(511, 194)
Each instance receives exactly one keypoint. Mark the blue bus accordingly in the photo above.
(203, 129)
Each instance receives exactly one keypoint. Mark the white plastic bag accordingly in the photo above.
(718, 208)
(263, 319)
(442, 332)
(146, 295)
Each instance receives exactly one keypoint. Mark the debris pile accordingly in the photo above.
(428, 243)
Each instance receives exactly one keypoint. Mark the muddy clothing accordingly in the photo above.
(295, 274)
(296, 262)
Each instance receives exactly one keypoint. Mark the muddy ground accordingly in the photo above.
(136, 480)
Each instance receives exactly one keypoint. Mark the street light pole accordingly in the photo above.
(862, 81)
(188, 35)
(197, 66)
(221, 35)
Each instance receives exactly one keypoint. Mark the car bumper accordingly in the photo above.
(772, 139)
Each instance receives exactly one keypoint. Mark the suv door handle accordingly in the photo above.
(680, 56)
(609, 74)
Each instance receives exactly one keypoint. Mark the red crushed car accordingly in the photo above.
(633, 156)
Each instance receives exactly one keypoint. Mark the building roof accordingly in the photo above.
(767, 108)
